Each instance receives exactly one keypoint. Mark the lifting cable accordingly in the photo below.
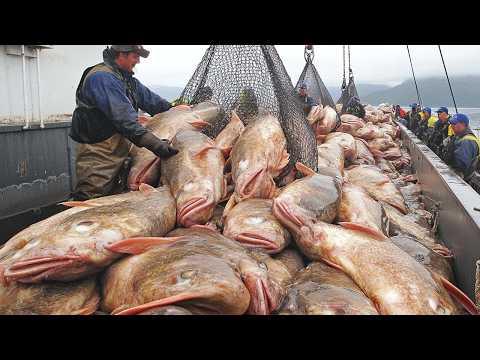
(414, 80)
(448, 79)
(350, 72)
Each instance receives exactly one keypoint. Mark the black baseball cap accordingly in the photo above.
(139, 49)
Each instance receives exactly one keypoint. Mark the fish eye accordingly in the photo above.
(263, 266)
(188, 274)
(84, 226)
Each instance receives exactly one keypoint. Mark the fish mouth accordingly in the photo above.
(258, 184)
(263, 299)
(190, 209)
(140, 177)
(282, 212)
(34, 270)
(257, 241)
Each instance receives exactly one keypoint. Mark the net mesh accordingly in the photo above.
(316, 88)
(252, 80)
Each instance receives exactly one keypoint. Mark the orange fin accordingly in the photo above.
(90, 307)
(158, 303)
(204, 149)
(304, 170)
(235, 118)
(145, 188)
(199, 124)
(332, 264)
(141, 244)
(77, 204)
(229, 206)
(459, 295)
(359, 227)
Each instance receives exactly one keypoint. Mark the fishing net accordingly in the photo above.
(252, 80)
(350, 100)
(316, 89)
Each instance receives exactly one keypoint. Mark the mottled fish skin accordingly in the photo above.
(310, 199)
(178, 274)
(227, 138)
(364, 156)
(331, 158)
(145, 164)
(359, 207)
(195, 177)
(76, 247)
(253, 225)
(347, 141)
(378, 185)
(73, 298)
(394, 281)
(257, 158)
(320, 289)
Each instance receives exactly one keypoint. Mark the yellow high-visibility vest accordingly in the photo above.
(432, 121)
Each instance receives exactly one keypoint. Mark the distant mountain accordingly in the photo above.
(363, 90)
(434, 92)
(169, 93)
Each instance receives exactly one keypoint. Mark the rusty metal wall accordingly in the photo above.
(36, 167)
(459, 223)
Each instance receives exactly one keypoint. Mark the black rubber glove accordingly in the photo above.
(159, 147)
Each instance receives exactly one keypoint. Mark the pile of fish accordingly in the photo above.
(210, 231)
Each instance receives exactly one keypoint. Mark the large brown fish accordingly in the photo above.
(230, 134)
(347, 141)
(394, 281)
(313, 198)
(320, 289)
(350, 124)
(197, 265)
(73, 298)
(145, 164)
(79, 245)
(331, 158)
(316, 113)
(166, 310)
(378, 185)
(208, 111)
(364, 156)
(257, 158)
(358, 207)
(326, 123)
(252, 224)
(195, 177)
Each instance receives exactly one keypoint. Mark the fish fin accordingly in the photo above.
(90, 307)
(77, 204)
(207, 226)
(284, 160)
(204, 149)
(359, 227)
(332, 264)
(158, 303)
(139, 245)
(304, 169)
(459, 295)
(199, 124)
(229, 206)
(145, 188)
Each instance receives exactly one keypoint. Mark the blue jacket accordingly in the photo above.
(108, 93)
(465, 152)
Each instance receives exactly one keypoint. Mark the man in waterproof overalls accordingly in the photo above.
(465, 150)
(413, 118)
(441, 130)
(305, 99)
(106, 122)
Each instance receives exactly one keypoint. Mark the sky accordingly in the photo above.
(173, 65)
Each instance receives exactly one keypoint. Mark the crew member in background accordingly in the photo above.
(429, 122)
(106, 122)
(413, 117)
(441, 130)
(305, 99)
(464, 148)
(422, 125)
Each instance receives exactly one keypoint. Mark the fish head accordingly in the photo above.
(195, 202)
(72, 250)
(308, 200)
(145, 169)
(254, 182)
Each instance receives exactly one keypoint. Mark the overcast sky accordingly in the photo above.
(379, 64)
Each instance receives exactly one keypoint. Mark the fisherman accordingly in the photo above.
(106, 122)
(413, 117)
(427, 124)
(464, 148)
(305, 99)
(441, 130)
(354, 107)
